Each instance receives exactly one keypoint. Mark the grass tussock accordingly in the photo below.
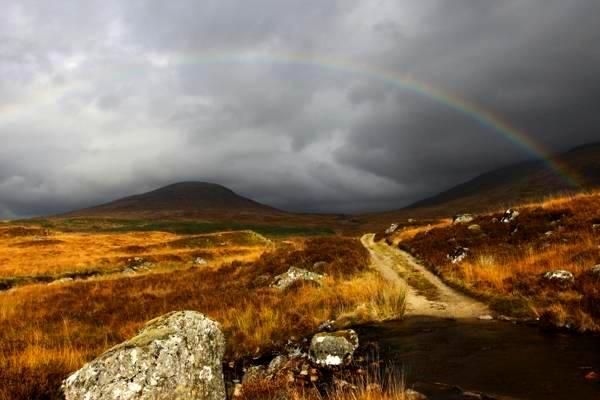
(506, 261)
(50, 331)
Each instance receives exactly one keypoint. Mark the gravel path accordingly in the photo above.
(426, 294)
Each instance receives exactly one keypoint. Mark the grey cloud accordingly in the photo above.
(101, 99)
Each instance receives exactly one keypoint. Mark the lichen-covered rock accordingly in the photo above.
(176, 356)
(462, 218)
(294, 275)
(333, 349)
(560, 277)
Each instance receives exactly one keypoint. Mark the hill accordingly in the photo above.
(185, 199)
(518, 183)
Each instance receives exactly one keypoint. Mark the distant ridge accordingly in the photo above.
(183, 199)
(518, 183)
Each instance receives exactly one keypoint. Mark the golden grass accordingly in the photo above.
(50, 331)
(59, 253)
(508, 260)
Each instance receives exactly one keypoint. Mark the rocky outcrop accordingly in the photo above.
(294, 275)
(333, 349)
(176, 356)
(462, 218)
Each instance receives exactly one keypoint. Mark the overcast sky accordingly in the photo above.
(281, 100)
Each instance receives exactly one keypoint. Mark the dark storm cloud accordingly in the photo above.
(100, 99)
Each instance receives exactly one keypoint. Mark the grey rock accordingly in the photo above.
(176, 356)
(277, 364)
(333, 349)
(393, 228)
(462, 218)
(410, 394)
(560, 277)
(294, 275)
(509, 216)
(458, 255)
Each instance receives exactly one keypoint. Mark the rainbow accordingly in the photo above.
(482, 116)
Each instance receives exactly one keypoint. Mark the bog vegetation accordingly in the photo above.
(49, 331)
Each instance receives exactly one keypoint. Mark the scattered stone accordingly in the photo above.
(176, 356)
(294, 275)
(458, 255)
(200, 261)
(509, 216)
(319, 265)
(595, 271)
(412, 220)
(137, 263)
(391, 229)
(549, 233)
(333, 349)
(474, 227)
(462, 218)
(277, 364)
(255, 373)
(60, 281)
(327, 326)
(410, 394)
(560, 277)
(486, 318)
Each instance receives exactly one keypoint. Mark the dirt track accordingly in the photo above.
(426, 294)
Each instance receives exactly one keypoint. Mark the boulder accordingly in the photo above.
(560, 277)
(176, 356)
(412, 220)
(474, 228)
(509, 216)
(294, 275)
(393, 228)
(333, 349)
(462, 218)
(458, 254)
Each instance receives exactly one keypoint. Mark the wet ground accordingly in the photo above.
(497, 358)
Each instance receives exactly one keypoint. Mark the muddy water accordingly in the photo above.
(493, 357)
